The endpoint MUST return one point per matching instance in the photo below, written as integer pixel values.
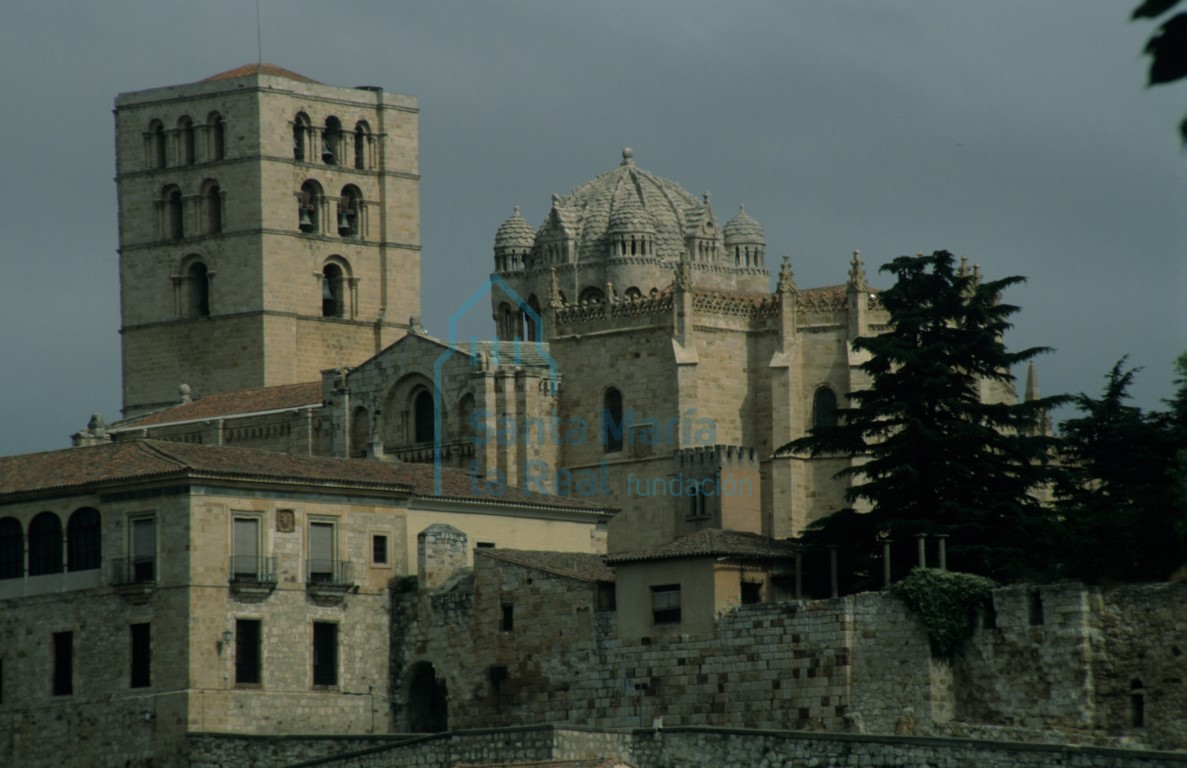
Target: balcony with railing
(134, 577)
(329, 580)
(252, 577)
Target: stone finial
(963, 270)
(628, 156)
(976, 275)
(786, 282)
(555, 199)
(414, 325)
(183, 393)
(705, 197)
(857, 272)
(94, 433)
(554, 289)
(684, 275)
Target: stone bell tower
(269, 229)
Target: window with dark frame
(325, 653)
(141, 656)
(63, 675)
(751, 592)
(247, 651)
(379, 549)
(507, 619)
(665, 604)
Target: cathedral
(318, 530)
(269, 268)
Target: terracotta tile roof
(81, 469)
(260, 69)
(457, 484)
(712, 542)
(574, 565)
(237, 403)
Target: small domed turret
(745, 238)
(513, 242)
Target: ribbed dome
(630, 218)
(743, 229)
(515, 232)
(622, 194)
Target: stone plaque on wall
(284, 521)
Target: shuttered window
(245, 547)
(321, 551)
(144, 548)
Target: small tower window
(214, 209)
(185, 127)
(331, 140)
(198, 290)
(331, 291)
(308, 212)
(300, 137)
(157, 143)
(362, 134)
(176, 211)
(216, 136)
(349, 210)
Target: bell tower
(269, 229)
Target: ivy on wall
(946, 602)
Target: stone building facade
(150, 589)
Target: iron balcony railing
(253, 569)
(330, 573)
(134, 570)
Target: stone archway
(428, 707)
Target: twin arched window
(189, 137)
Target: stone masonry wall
(786, 665)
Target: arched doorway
(428, 708)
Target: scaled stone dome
(515, 232)
(627, 196)
(630, 217)
(743, 229)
